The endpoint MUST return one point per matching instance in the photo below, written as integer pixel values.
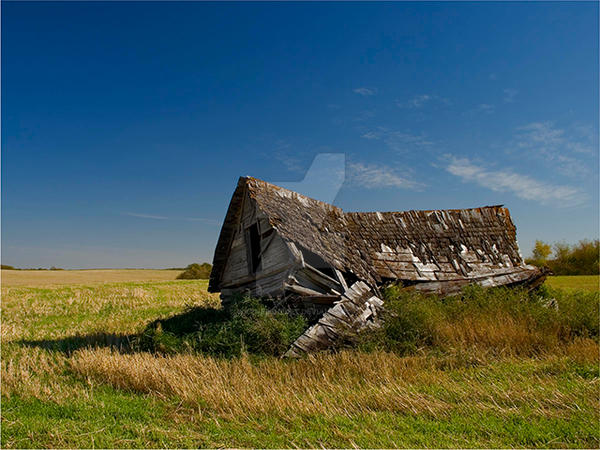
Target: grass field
(585, 282)
(93, 276)
(66, 384)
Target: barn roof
(415, 246)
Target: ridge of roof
(277, 188)
(353, 240)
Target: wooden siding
(411, 246)
(276, 259)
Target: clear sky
(126, 125)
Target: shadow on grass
(177, 326)
(121, 342)
(246, 327)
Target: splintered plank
(355, 310)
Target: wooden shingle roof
(411, 245)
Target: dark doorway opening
(253, 242)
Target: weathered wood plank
(337, 322)
(301, 290)
(341, 279)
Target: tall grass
(491, 368)
(502, 321)
(344, 383)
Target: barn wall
(276, 258)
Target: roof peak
(250, 179)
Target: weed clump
(479, 321)
(245, 326)
(497, 320)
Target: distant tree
(580, 259)
(7, 267)
(562, 251)
(196, 272)
(586, 257)
(541, 251)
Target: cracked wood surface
(314, 253)
(414, 246)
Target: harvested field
(91, 276)
(70, 378)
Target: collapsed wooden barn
(294, 250)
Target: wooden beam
(341, 279)
(321, 279)
(302, 290)
(296, 254)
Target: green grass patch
(575, 282)
(491, 368)
(246, 326)
(108, 418)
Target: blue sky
(126, 125)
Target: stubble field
(69, 379)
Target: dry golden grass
(92, 276)
(38, 321)
(60, 347)
(33, 372)
(346, 383)
(505, 335)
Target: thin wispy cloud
(416, 102)
(419, 101)
(200, 219)
(365, 91)
(546, 135)
(480, 109)
(510, 95)
(567, 151)
(283, 152)
(372, 176)
(523, 186)
(399, 141)
(145, 216)
(364, 116)
(156, 217)
(486, 108)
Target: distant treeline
(564, 259)
(7, 267)
(196, 272)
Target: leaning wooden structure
(285, 247)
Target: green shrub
(494, 321)
(578, 310)
(501, 320)
(580, 259)
(408, 323)
(246, 326)
(196, 272)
